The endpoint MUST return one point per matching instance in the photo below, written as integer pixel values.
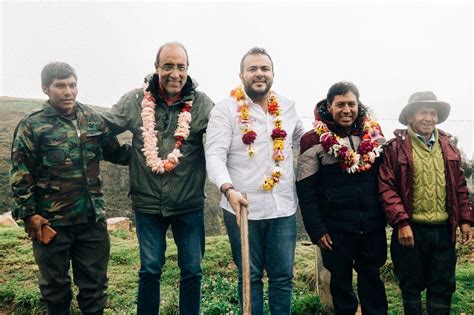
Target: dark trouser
(87, 246)
(272, 245)
(429, 265)
(188, 234)
(366, 253)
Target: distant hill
(115, 177)
(12, 110)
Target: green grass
(463, 299)
(19, 291)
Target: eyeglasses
(169, 68)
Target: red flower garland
(351, 161)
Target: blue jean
(188, 234)
(272, 245)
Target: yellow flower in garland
(248, 138)
(276, 174)
(320, 127)
(374, 124)
(250, 151)
(238, 94)
(244, 113)
(278, 156)
(278, 124)
(269, 183)
(278, 144)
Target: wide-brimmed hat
(424, 98)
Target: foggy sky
(388, 50)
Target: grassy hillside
(19, 291)
(115, 177)
(11, 111)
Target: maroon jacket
(396, 181)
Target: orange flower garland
(150, 139)
(249, 135)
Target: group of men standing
(349, 181)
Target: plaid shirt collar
(430, 142)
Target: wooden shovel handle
(244, 244)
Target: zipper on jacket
(361, 215)
(349, 136)
(85, 185)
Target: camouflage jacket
(55, 166)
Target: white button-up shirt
(227, 160)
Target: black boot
(412, 307)
(434, 308)
(99, 312)
(59, 309)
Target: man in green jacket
(168, 118)
(55, 181)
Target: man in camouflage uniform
(55, 180)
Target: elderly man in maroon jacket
(424, 193)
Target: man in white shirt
(249, 144)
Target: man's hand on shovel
(235, 200)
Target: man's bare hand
(33, 226)
(325, 242)
(235, 200)
(466, 233)
(405, 236)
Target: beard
(254, 94)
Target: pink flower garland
(351, 161)
(150, 149)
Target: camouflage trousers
(84, 246)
